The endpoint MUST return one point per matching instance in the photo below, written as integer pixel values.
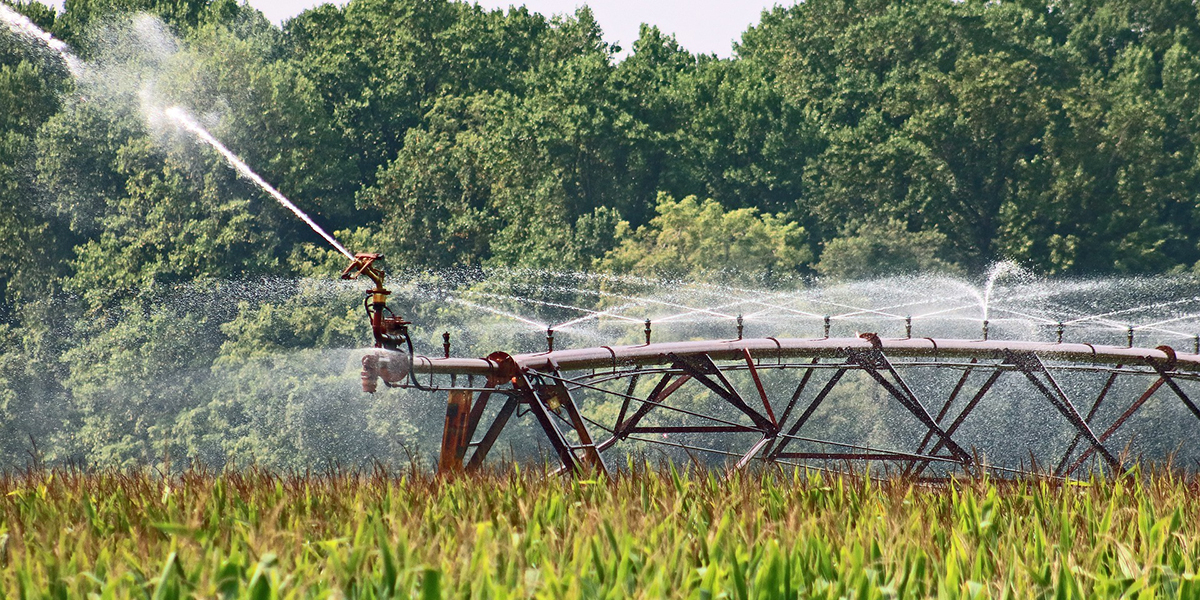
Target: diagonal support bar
(872, 362)
(489, 438)
(808, 412)
(1062, 464)
(1031, 366)
(701, 368)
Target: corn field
(652, 532)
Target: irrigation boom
(731, 407)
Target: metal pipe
(656, 354)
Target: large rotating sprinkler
(389, 330)
(738, 402)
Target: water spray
(180, 116)
(22, 26)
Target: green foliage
(883, 249)
(647, 534)
(690, 238)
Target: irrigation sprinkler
(760, 401)
(392, 361)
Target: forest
(843, 140)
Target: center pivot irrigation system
(589, 400)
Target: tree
(879, 249)
(698, 239)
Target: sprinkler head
(549, 340)
(826, 326)
(647, 332)
(739, 326)
(985, 330)
(363, 264)
(908, 327)
(446, 344)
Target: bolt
(739, 326)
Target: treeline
(846, 138)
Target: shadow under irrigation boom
(560, 387)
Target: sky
(702, 26)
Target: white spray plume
(21, 25)
(185, 120)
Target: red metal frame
(544, 385)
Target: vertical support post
(454, 433)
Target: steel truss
(551, 386)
